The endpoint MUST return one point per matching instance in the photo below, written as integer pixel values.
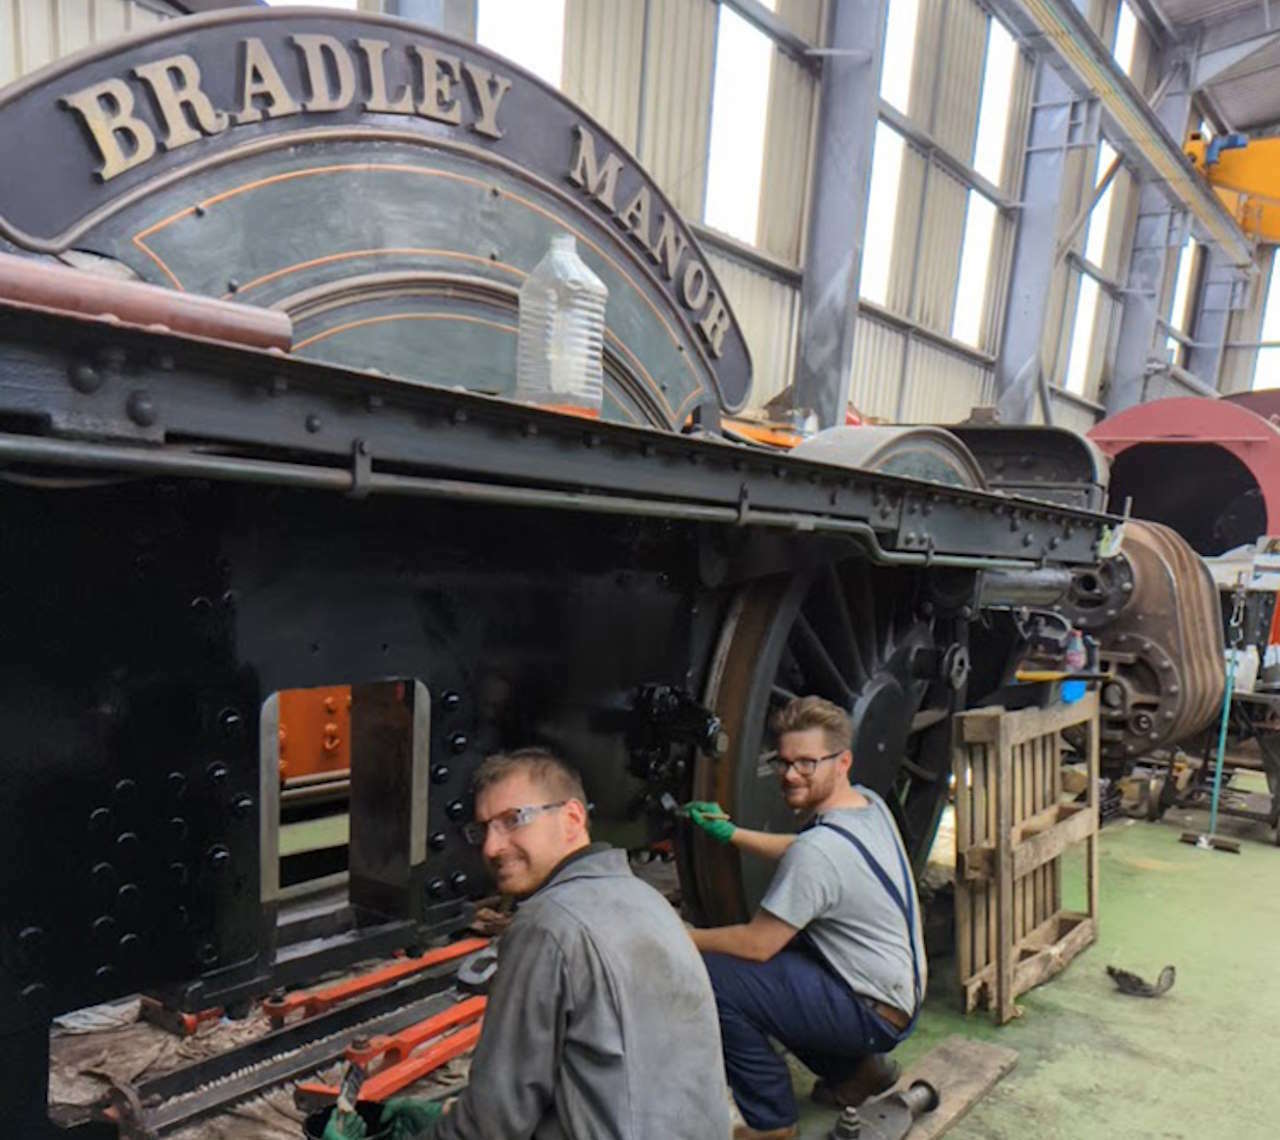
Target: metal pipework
(36, 284)
(1023, 587)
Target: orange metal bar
(394, 1048)
(407, 1066)
(396, 1077)
(312, 1002)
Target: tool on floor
(1130, 983)
(888, 1117)
(311, 1002)
(174, 1020)
(1235, 634)
(400, 1058)
(349, 1087)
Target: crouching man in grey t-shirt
(832, 964)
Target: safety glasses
(505, 822)
(805, 765)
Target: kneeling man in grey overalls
(832, 964)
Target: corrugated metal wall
(788, 153)
(37, 32)
(878, 352)
(768, 311)
(603, 57)
(679, 64)
(941, 387)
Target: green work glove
(712, 819)
(409, 1117)
(344, 1126)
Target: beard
(821, 785)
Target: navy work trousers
(797, 1000)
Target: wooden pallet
(1011, 833)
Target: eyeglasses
(506, 822)
(805, 765)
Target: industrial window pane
(1095, 246)
(1081, 336)
(975, 263)
(528, 32)
(899, 53)
(1179, 314)
(997, 89)
(739, 105)
(1126, 37)
(882, 214)
(1266, 373)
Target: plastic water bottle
(560, 347)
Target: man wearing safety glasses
(601, 1020)
(832, 964)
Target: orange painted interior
(315, 731)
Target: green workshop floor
(1198, 1062)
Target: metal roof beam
(1059, 121)
(838, 207)
(1059, 31)
(1222, 45)
(1244, 32)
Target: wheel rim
(871, 640)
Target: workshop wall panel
(906, 230)
(676, 110)
(877, 367)
(768, 310)
(603, 57)
(788, 151)
(930, 17)
(805, 18)
(34, 33)
(942, 386)
(1003, 237)
(1068, 413)
(937, 263)
(958, 82)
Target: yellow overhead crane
(1245, 174)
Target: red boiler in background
(1210, 469)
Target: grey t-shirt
(825, 887)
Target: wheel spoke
(819, 668)
(864, 611)
(846, 638)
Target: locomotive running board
(283, 420)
